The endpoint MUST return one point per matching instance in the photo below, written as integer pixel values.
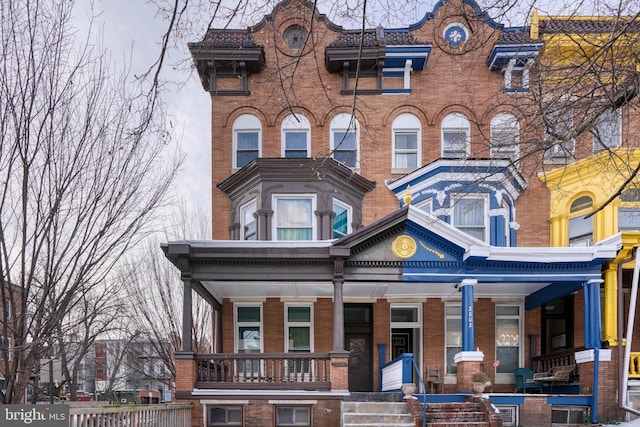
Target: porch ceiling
(365, 290)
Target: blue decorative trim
(570, 400)
(507, 400)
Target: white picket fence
(161, 415)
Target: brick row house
(391, 194)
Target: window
(294, 217)
(581, 228)
(453, 335)
(455, 136)
(345, 139)
(508, 342)
(426, 205)
(558, 121)
(629, 211)
(248, 339)
(295, 136)
(247, 131)
(607, 131)
(341, 220)
(224, 416)
(248, 221)
(5, 346)
(469, 215)
(293, 416)
(406, 142)
(505, 137)
(299, 335)
(7, 309)
(406, 330)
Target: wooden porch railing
(309, 371)
(169, 414)
(545, 363)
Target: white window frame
(295, 409)
(455, 123)
(608, 123)
(406, 123)
(416, 326)
(559, 109)
(576, 219)
(226, 408)
(456, 198)
(456, 314)
(507, 223)
(296, 123)
(256, 369)
(304, 370)
(313, 221)
(252, 205)
(507, 377)
(246, 123)
(349, 210)
(426, 205)
(505, 124)
(342, 123)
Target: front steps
(463, 414)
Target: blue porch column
(468, 321)
(592, 319)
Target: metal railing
(263, 370)
(162, 415)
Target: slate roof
(515, 37)
(374, 38)
(227, 39)
(585, 26)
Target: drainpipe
(623, 371)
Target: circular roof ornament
(455, 34)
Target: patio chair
(524, 381)
(434, 379)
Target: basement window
(293, 416)
(224, 416)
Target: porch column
(592, 327)
(217, 332)
(187, 317)
(338, 315)
(468, 321)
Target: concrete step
(376, 414)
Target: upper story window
(470, 215)
(558, 122)
(581, 228)
(295, 136)
(455, 136)
(426, 205)
(406, 141)
(341, 220)
(247, 139)
(607, 131)
(294, 217)
(345, 140)
(505, 136)
(248, 221)
(629, 210)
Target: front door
(358, 332)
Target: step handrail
(424, 393)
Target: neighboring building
(416, 225)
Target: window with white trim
(456, 132)
(629, 210)
(470, 215)
(453, 335)
(299, 416)
(294, 217)
(580, 227)
(224, 416)
(342, 219)
(425, 205)
(406, 330)
(558, 122)
(406, 141)
(607, 131)
(299, 335)
(248, 221)
(508, 343)
(505, 136)
(295, 136)
(345, 139)
(248, 336)
(247, 139)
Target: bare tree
(83, 167)
(155, 292)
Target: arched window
(455, 136)
(629, 210)
(505, 136)
(345, 139)
(407, 137)
(247, 139)
(581, 228)
(295, 136)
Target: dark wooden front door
(360, 375)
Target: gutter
(623, 371)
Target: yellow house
(595, 199)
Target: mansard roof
(587, 25)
